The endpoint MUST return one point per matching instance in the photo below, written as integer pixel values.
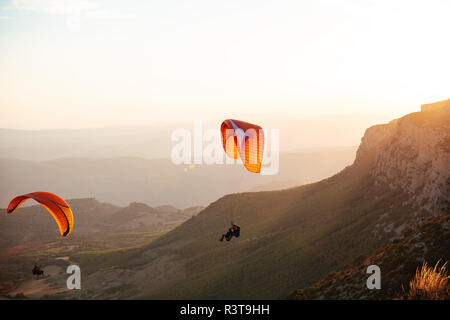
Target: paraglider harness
(234, 231)
(37, 271)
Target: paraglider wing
(57, 207)
(243, 139)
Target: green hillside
(291, 238)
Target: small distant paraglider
(244, 140)
(57, 207)
(37, 271)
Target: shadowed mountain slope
(398, 262)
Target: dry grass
(429, 283)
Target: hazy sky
(78, 64)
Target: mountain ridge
(155, 181)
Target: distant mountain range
(154, 142)
(158, 181)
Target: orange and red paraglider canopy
(243, 139)
(57, 207)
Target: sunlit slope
(290, 239)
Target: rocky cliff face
(408, 163)
(412, 155)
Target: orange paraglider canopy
(243, 139)
(57, 207)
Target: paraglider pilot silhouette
(37, 270)
(234, 231)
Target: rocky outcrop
(435, 106)
(412, 155)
